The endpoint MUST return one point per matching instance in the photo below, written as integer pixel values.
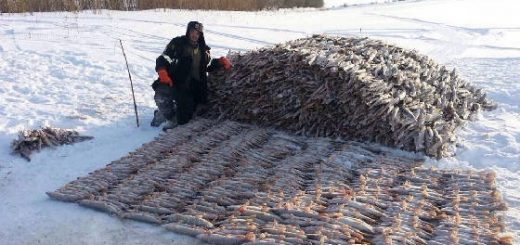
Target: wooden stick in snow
(131, 83)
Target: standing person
(182, 83)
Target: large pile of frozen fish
(356, 88)
(232, 183)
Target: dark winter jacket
(177, 58)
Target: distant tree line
(19, 6)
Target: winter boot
(170, 125)
(158, 119)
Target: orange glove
(225, 63)
(165, 78)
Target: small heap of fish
(231, 183)
(34, 140)
(355, 88)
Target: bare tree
(16, 6)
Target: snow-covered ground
(67, 70)
(349, 3)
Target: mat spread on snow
(232, 183)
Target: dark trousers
(200, 92)
(185, 105)
(164, 99)
(180, 101)
(188, 99)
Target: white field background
(67, 70)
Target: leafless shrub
(19, 6)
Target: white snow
(349, 3)
(67, 70)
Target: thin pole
(131, 83)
